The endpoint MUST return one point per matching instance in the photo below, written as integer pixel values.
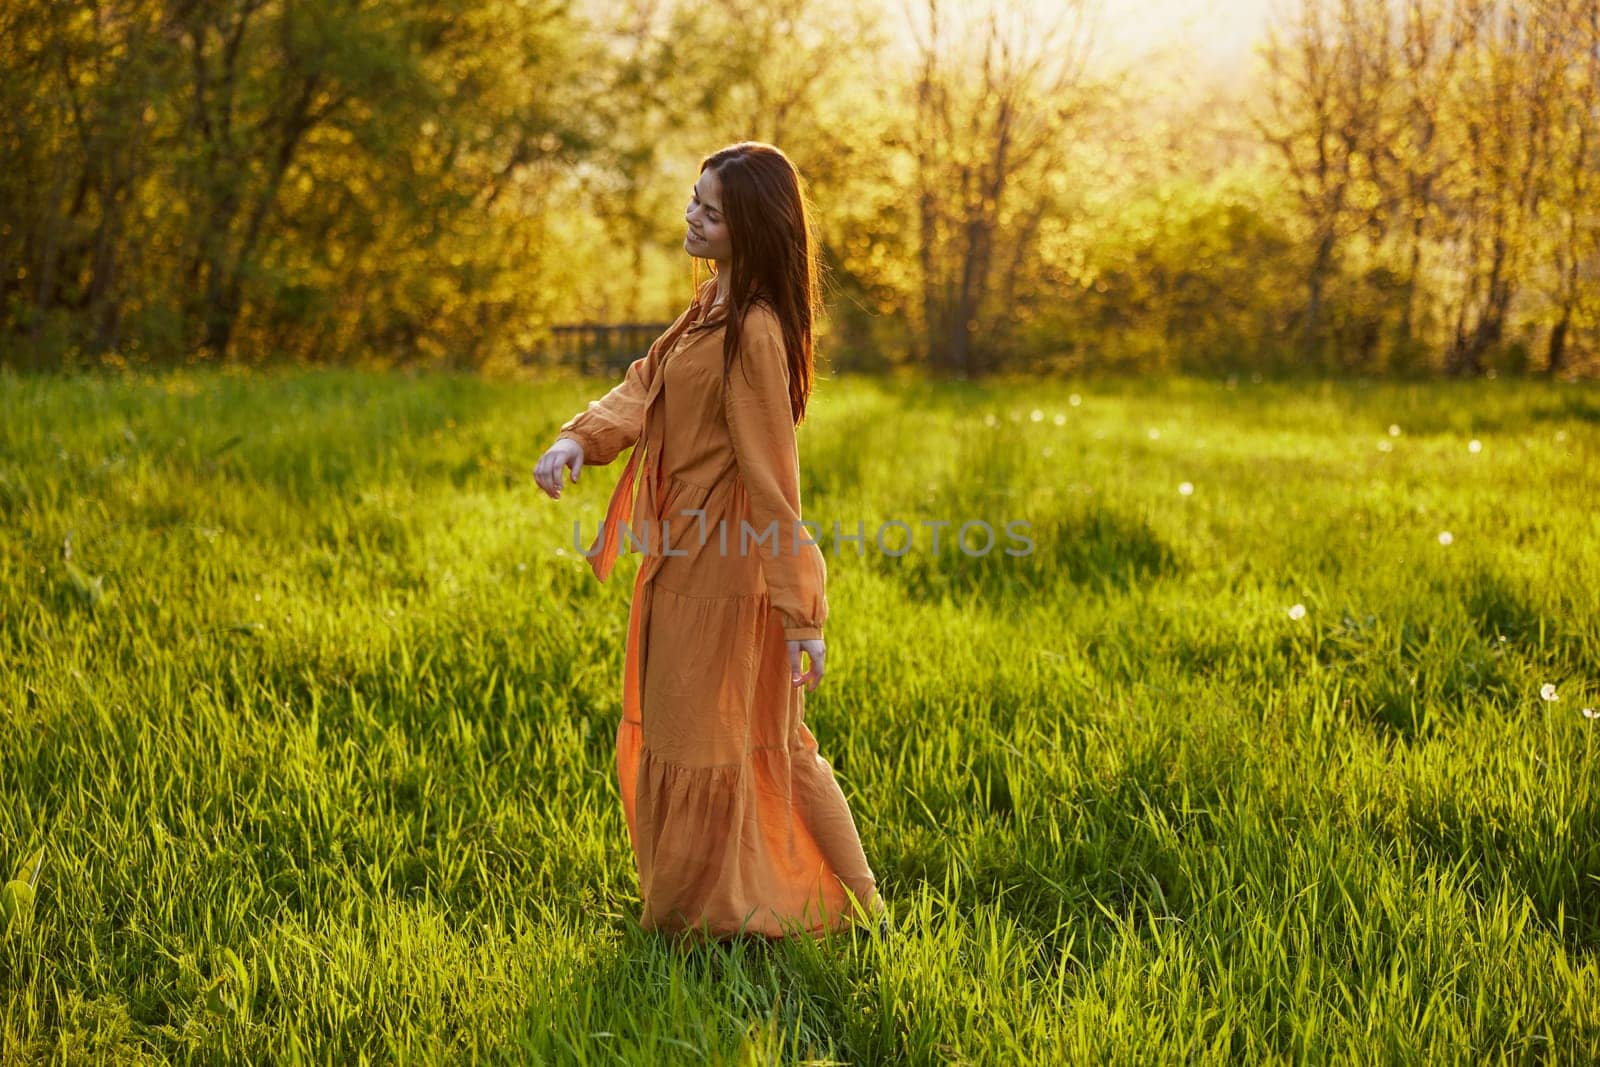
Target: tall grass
(309, 701)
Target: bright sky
(1213, 38)
(1218, 33)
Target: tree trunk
(1315, 285)
(1557, 356)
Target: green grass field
(308, 707)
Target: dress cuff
(802, 633)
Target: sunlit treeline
(1442, 160)
(1402, 185)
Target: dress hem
(774, 879)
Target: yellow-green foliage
(439, 184)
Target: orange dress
(736, 821)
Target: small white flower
(1591, 713)
(1297, 612)
(1155, 434)
(1074, 399)
(1561, 435)
(1445, 537)
(561, 552)
(1474, 446)
(1547, 691)
(1385, 446)
(990, 420)
(1046, 452)
(1185, 488)
(1036, 415)
(521, 567)
(1060, 419)
(1394, 431)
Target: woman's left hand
(818, 653)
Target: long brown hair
(774, 256)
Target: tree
(330, 178)
(1330, 82)
(1573, 217)
(1507, 115)
(1414, 162)
(992, 104)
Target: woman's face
(708, 235)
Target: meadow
(1273, 749)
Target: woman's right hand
(563, 454)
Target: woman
(736, 821)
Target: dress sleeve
(614, 422)
(760, 423)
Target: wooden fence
(598, 349)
